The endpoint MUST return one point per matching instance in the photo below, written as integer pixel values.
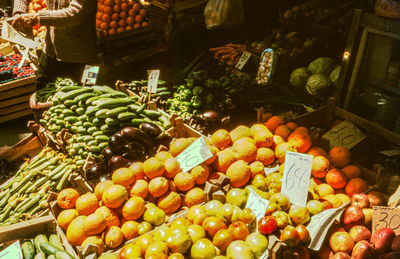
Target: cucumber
(133, 107)
(108, 129)
(93, 143)
(48, 248)
(141, 109)
(68, 112)
(63, 255)
(80, 138)
(60, 123)
(102, 114)
(88, 138)
(69, 88)
(103, 145)
(74, 107)
(112, 122)
(114, 112)
(80, 111)
(115, 94)
(28, 250)
(102, 138)
(92, 130)
(92, 99)
(81, 130)
(126, 116)
(54, 239)
(103, 89)
(94, 149)
(69, 103)
(87, 124)
(91, 110)
(39, 239)
(40, 255)
(74, 93)
(84, 97)
(109, 104)
(97, 122)
(162, 89)
(83, 117)
(78, 124)
(97, 133)
(71, 119)
(151, 113)
(74, 129)
(137, 122)
(164, 94)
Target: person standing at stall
(71, 41)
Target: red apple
(396, 244)
(377, 198)
(360, 199)
(267, 225)
(359, 233)
(298, 252)
(303, 233)
(353, 216)
(364, 250)
(238, 230)
(340, 255)
(382, 239)
(341, 242)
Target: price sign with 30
(195, 154)
(296, 177)
(386, 217)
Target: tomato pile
(34, 7)
(9, 68)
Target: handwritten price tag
(320, 224)
(257, 204)
(243, 60)
(344, 134)
(296, 177)
(89, 76)
(153, 81)
(12, 251)
(386, 217)
(195, 154)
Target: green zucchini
(103, 145)
(112, 122)
(74, 93)
(92, 99)
(152, 113)
(97, 133)
(102, 114)
(80, 111)
(68, 112)
(84, 97)
(54, 239)
(87, 124)
(116, 111)
(28, 250)
(109, 104)
(141, 109)
(102, 138)
(126, 116)
(137, 122)
(49, 248)
(39, 239)
(71, 119)
(88, 138)
(92, 130)
(69, 103)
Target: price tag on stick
(89, 76)
(257, 204)
(153, 80)
(12, 251)
(344, 134)
(195, 154)
(296, 177)
(386, 217)
(243, 60)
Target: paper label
(12, 251)
(344, 134)
(10, 34)
(195, 154)
(89, 76)
(270, 170)
(386, 217)
(319, 225)
(257, 204)
(296, 177)
(243, 60)
(153, 80)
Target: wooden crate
(14, 98)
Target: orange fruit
(172, 186)
(320, 166)
(145, 24)
(130, 21)
(300, 141)
(200, 174)
(116, 8)
(143, 13)
(221, 138)
(239, 173)
(136, 7)
(340, 156)
(75, 234)
(262, 135)
(239, 132)
(115, 16)
(133, 209)
(121, 23)
(120, 29)
(324, 190)
(292, 125)
(301, 129)
(224, 159)
(336, 178)
(107, 10)
(144, 242)
(123, 176)
(194, 196)
(172, 167)
(163, 156)
(214, 150)
(140, 188)
(112, 218)
(158, 186)
(66, 217)
(104, 26)
(153, 167)
(108, 2)
(178, 145)
(256, 168)
(280, 151)
(66, 199)
(244, 140)
(130, 251)
(123, 15)
(169, 202)
(94, 224)
(100, 187)
(113, 237)
(99, 15)
(87, 204)
(317, 151)
(96, 241)
(245, 150)
(132, 13)
(106, 18)
(351, 171)
(355, 185)
(215, 175)
(265, 156)
(277, 140)
(136, 26)
(137, 169)
(110, 32)
(273, 122)
(125, 6)
(283, 131)
(114, 196)
(184, 181)
(130, 229)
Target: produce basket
(38, 108)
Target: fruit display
(9, 68)
(94, 113)
(35, 6)
(116, 16)
(26, 193)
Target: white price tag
(12, 251)
(243, 60)
(296, 177)
(344, 134)
(386, 217)
(153, 80)
(89, 76)
(257, 204)
(319, 225)
(195, 154)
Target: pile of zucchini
(42, 247)
(92, 114)
(27, 191)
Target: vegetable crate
(14, 98)
(31, 228)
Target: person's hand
(26, 20)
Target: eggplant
(96, 171)
(137, 135)
(107, 153)
(134, 151)
(117, 142)
(117, 162)
(150, 129)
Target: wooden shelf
(382, 85)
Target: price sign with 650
(195, 154)
(386, 217)
(296, 177)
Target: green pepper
(196, 101)
(197, 90)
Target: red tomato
(267, 225)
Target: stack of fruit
(116, 16)
(34, 7)
(41, 246)
(9, 68)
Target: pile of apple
(116, 16)
(33, 7)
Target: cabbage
(317, 85)
(322, 66)
(298, 78)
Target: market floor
(11, 132)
